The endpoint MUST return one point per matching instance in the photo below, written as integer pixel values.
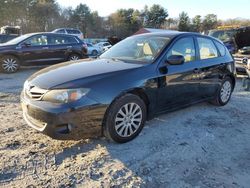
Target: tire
(74, 57)
(9, 64)
(94, 53)
(125, 118)
(224, 93)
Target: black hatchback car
(40, 49)
(136, 79)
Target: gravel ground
(199, 146)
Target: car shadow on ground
(201, 145)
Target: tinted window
(61, 40)
(70, 40)
(73, 31)
(221, 48)
(56, 40)
(37, 40)
(184, 47)
(207, 48)
(60, 31)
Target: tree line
(46, 15)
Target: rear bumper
(65, 123)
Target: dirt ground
(200, 146)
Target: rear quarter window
(73, 31)
(221, 48)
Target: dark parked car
(138, 78)
(40, 49)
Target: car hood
(64, 73)
(242, 37)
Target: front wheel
(125, 118)
(10, 64)
(224, 93)
(74, 57)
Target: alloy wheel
(128, 119)
(73, 58)
(225, 91)
(10, 65)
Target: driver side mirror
(25, 44)
(175, 60)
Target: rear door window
(207, 48)
(185, 47)
(57, 40)
(70, 40)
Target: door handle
(45, 48)
(196, 70)
(69, 46)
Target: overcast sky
(223, 8)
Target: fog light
(69, 127)
(64, 128)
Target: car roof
(166, 33)
(49, 33)
(174, 34)
(67, 28)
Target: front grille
(34, 93)
(241, 59)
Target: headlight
(65, 95)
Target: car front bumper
(63, 122)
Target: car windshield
(18, 39)
(139, 48)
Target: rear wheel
(94, 53)
(10, 64)
(125, 118)
(74, 57)
(224, 93)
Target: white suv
(70, 31)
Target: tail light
(85, 48)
